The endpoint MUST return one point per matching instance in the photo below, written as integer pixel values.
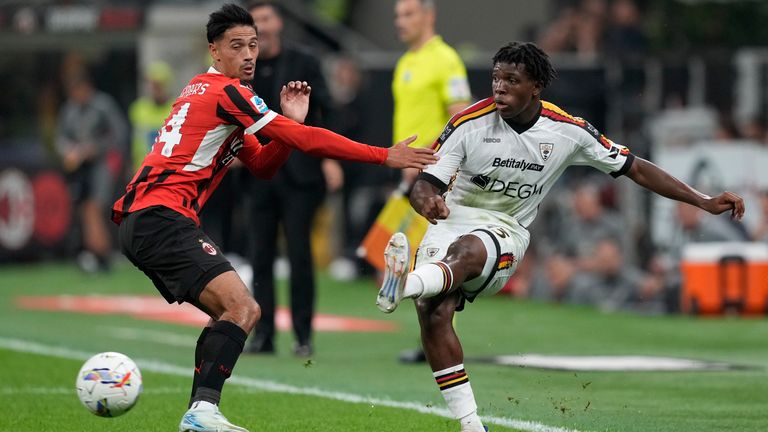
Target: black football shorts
(172, 251)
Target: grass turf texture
(364, 364)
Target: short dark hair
(536, 61)
(230, 15)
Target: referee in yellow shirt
(429, 86)
(430, 81)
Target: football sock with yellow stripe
(428, 280)
(454, 386)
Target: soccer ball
(109, 384)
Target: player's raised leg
(234, 314)
(465, 260)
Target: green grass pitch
(37, 389)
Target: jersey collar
(212, 70)
(520, 128)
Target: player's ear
(537, 88)
(213, 51)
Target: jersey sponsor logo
(208, 248)
(259, 104)
(491, 140)
(518, 164)
(431, 252)
(546, 150)
(511, 189)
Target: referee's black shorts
(173, 251)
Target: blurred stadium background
(611, 270)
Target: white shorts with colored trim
(505, 245)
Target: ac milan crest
(209, 249)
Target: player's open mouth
(500, 104)
(248, 69)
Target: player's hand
(402, 156)
(294, 100)
(724, 202)
(433, 208)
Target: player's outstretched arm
(402, 156)
(427, 200)
(653, 178)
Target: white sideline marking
(46, 391)
(272, 386)
(146, 335)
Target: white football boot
(206, 417)
(397, 260)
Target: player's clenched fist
(433, 208)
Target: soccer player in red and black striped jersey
(498, 159)
(211, 123)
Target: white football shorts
(505, 245)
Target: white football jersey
(489, 165)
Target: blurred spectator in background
(614, 284)
(149, 112)
(360, 191)
(625, 36)
(577, 29)
(90, 140)
(594, 27)
(570, 244)
(760, 233)
(589, 222)
(294, 195)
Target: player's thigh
(505, 247)
(434, 246)
(173, 251)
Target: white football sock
(457, 392)
(428, 280)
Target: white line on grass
(45, 391)
(272, 386)
(146, 335)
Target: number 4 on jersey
(170, 134)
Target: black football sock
(198, 359)
(219, 353)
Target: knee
(468, 252)
(250, 314)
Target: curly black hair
(230, 15)
(536, 61)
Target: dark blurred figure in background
(292, 198)
(760, 233)
(148, 112)
(90, 140)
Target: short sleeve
(240, 106)
(451, 150)
(455, 86)
(597, 151)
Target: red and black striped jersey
(203, 134)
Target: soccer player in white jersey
(498, 159)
